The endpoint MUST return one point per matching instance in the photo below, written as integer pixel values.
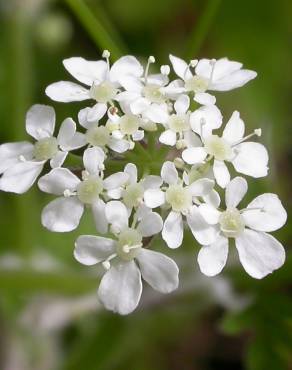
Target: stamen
(252, 209)
(68, 193)
(126, 248)
(193, 63)
(85, 174)
(151, 59)
(106, 55)
(257, 132)
(106, 263)
(165, 70)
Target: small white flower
(210, 74)
(102, 81)
(181, 199)
(145, 95)
(126, 260)
(103, 136)
(259, 253)
(64, 213)
(249, 158)
(132, 192)
(22, 162)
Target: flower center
(103, 92)
(129, 244)
(152, 92)
(179, 198)
(88, 190)
(98, 135)
(45, 149)
(197, 84)
(218, 148)
(129, 124)
(178, 123)
(231, 223)
(132, 195)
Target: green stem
(100, 34)
(201, 29)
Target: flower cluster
(154, 160)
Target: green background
(49, 316)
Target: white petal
(131, 83)
(223, 68)
(58, 159)
(62, 214)
(86, 71)
(127, 96)
(259, 253)
(121, 287)
(203, 232)
(127, 65)
(98, 210)
(235, 191)
(116, 180)
(234, 129)
(93, 158)
(194, 155)
(210, 214)
(205, 119)
(115, 193)
(157, 113)
(168, 137)
(57, 181)
(233, 81)
(180, 67)
(160, 271)
(212, 258)
(271, 215)
(182, 104)
(201, 187)
(205, 99)
(89, 116)
(131, 170)
(139, 105)
(252, 159)
(152, 182)
(191, 139)
(221, 173)
(119, 145)
(138, 135)
(76, 142)
(10, 153)
(154, 198)
(66, 91)
(40, 121)
(116, 214)
(212, 198)
(20, 177)
(173, 230)
(169, 173)
(66, 132)
(90, 250)
(151, 223)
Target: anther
(85, 174)
(106, 54)
(193, 63)
(106, 265)
(22, 158)
(165, 70)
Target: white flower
(126, 260)
(249, 158)
(210, 74)
(180, 199)
(145, 95)
(22, 162)
(102, 81)
(103, 136)
(132, 192)
(126, 127)
(64, 213)
(259, 253)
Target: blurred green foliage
(192, 329)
